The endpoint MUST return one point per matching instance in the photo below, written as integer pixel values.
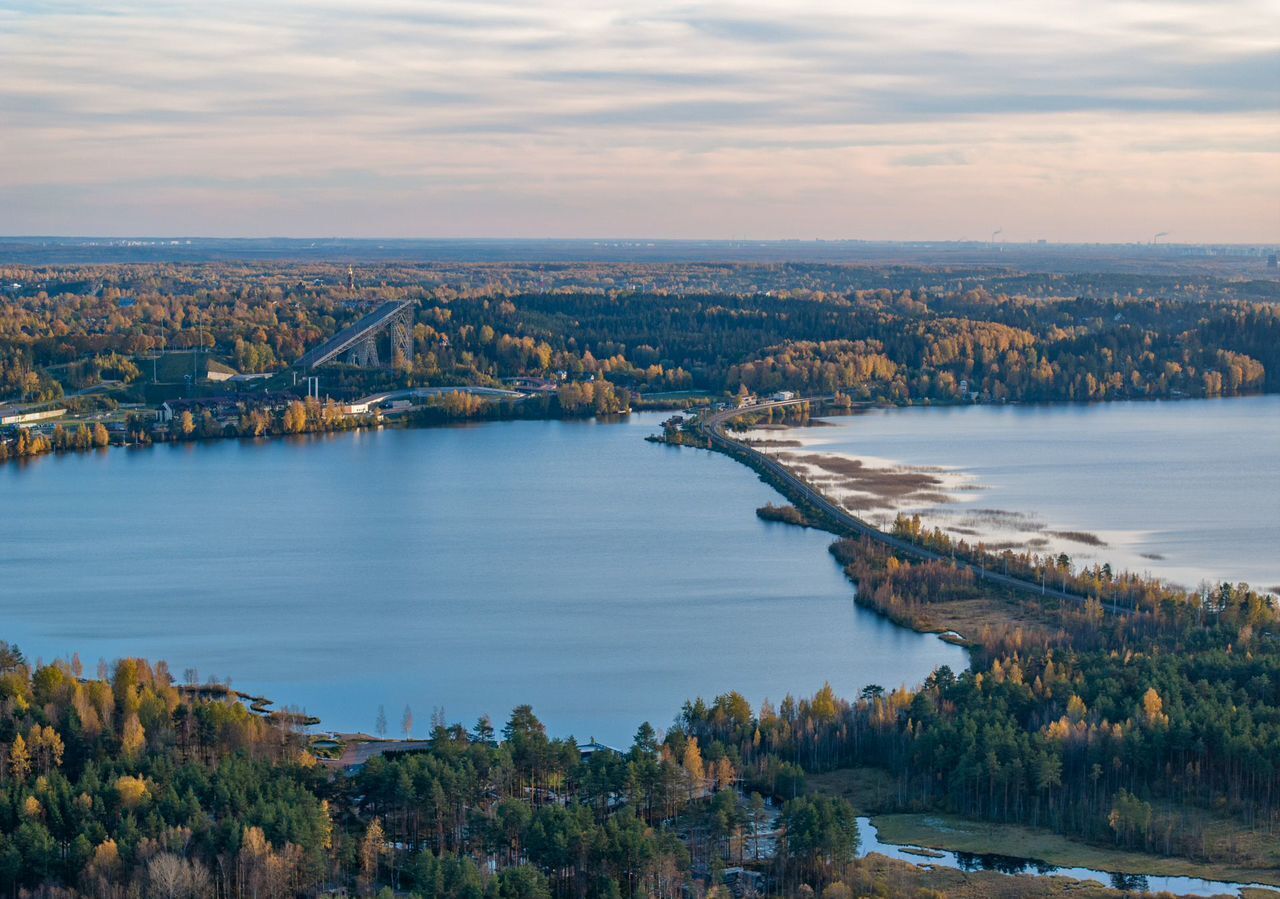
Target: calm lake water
(1187, 490)
(570, 565)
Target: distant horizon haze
(637, 239)
(1248, 260)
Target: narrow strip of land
(711, 426)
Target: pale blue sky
(1082, 120)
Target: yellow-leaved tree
(19, 759)
(133, 739)
(693, 767)
(132, 791)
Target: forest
(113, 342)
(67, 328)
(1115, 725)
(127, 783)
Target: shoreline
(392, 745)
(950, 497)
(561, 439)
(932, 836)
(709, 432)
(878, 489)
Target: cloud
(562, 117)
(944, 157)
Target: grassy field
(886, 877)
(995, 609)
(172, 368)
(871, 792)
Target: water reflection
(1148, 486)
(869, 841)
(570, 565)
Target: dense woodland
(66, 333)
(127, 784)
(65, 328)
(1104, 724)
(615, 337)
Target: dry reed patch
(884, 484)
(1079, 537)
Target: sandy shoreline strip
(878, 490)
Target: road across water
(796, 488)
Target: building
(222, 407)
(540, 385)
(225, 408)
(215, 371)
(397, 405)
(587, 750)
(26, 418)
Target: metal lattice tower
(402, 336)
(364, 353)
(357, 344)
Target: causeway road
(795, 488)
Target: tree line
(127, 783)
(912, 344)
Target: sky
(1083, 120)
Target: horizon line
(914, 241)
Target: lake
(570, 565)
(1187, 490)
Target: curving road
(496, 393)
(712, 427)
